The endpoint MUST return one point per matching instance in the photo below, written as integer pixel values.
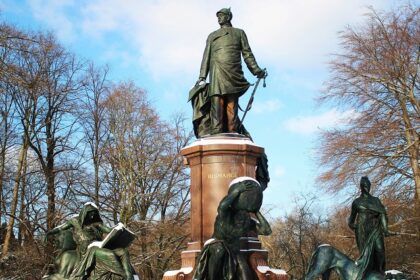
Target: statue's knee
(120, 252)
(101, 252)
(67, 262)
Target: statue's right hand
(262, 73)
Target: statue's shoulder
(73, 220)
(376, 200)
(238, 31)
(357, 201)
(213, 34)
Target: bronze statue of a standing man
(222, 62)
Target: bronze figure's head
(224, 16)
(365, 184)
(89, 214)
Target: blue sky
(158, 44)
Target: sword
(251, 99)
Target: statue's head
(224, 16)
(89, 214)
(250, 197)
(365, 184)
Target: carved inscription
(222, 175)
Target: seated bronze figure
(80, 258)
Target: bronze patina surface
(79, 260)
(369, 221)
(215, 105)
(221, 257)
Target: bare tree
(14, 48)
(7, 130)
(9, 41)
(51, 105)
(296, 236)
(377, 76)
(13, 211)
(52, 123)
(146, 178)
(92, 118)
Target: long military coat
(222, 61)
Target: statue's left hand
(200, 81)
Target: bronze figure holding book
(85, 255)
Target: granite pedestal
(214, 162)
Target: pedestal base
(188, 261)
(214, 163)
(257, 260)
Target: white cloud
(169, 36)
(53, 13)
(279, 171)
(267, 106)
(123, 57)
(311, 124)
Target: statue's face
(222, 18)
(92, 217)
(365, 185)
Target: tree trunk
(413, 142)
(23, 231)
(2, 173)
(21, 163)
(96, 165)
(50, 178)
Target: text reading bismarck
(221, 175)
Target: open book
(119, 237)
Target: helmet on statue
(225, 11)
